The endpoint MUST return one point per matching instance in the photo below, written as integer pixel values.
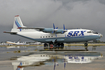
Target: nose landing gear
(86, 46)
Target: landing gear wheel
(86, 44)
(57, 45)
(86, 48)
(45, 45)
(62, 45)
(51, 45)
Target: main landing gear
(86, 46)
(54, 45)
(59, 45)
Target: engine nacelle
(59, 31)
(50, 30)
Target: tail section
(17, 24)
(17, 66)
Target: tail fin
(17, 65)
(17, 24)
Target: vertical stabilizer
(17, 24)
(17, 66)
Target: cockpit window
(89, 32)
(95, 32)
(92, 32)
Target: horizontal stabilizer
(10, 32)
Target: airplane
(55, 58)
(53, 36)
(15, 43)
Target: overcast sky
(89, 14)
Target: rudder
(17, 24)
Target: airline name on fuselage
(75, 33)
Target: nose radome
(101, 35)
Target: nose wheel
(86, 48)
(86, 44)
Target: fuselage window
(51, 36)
(43, 36)
(46, 36)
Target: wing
(40, 28)
(48, 30)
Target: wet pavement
(6, 64)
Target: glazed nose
(101, 35)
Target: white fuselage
(73, 35)
(48, 35)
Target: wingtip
(4, 32)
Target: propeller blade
(65, 35)
(64, 30)
(52, 31)
(64, 63)
(54, 66)
(63, 26)
(53, 26)
(56, 27)
(56, 35)
(54, 63)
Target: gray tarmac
(6, 64)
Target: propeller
(64, 63)
(54, 29)
(55, 63)
(64, 30)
